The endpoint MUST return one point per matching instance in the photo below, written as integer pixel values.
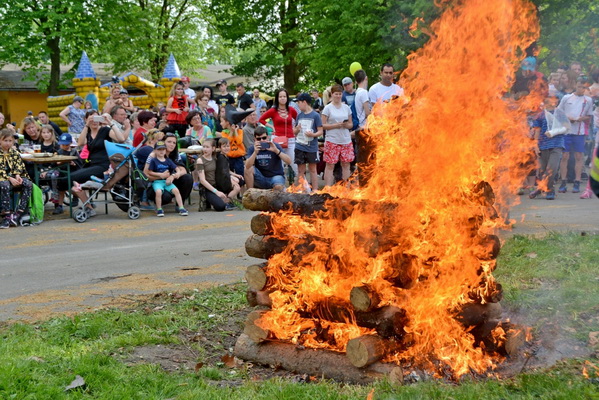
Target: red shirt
(283, 126)
(138, 137)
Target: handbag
(283, 141)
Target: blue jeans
(266, 182)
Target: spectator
(147, 121)
(308, 128)
(152, 137)
(362, 104)
(31, 131)
(244, 100)
(258, 104)
(231, 131)
(282, 120)
(114, 99)
(189, 92)
(206, 113)
(8, 126)
(567, 83)
(224, 97)
(263, 165)
(348, 91)
(551, 148)
(177, 108)
(126, 102)
(576, 67)
(579, 109)
(337, 121)
(12, 175)
(237, 181)
(385, 89)
(43, 118)
(248, 129)
(74, 116)
(207, 170)
(48, 139)
(118, 116)
(164, 171)
(317, 101)
(198, 131)
(212, 105)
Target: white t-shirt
(190, 93)
(361, 98)
(335, 115)
(380, 92)
(575, 107)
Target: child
(48, 140)
(177, 108)
(236, 180)
(551, 148)
(12, 175)
(235, 136)
(163, 168)
(308, 127)
(206, 167)
(64, 149)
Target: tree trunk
(53, 45)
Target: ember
(399, 270)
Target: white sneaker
(91, 212)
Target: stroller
(124, 194)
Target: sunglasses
(170, 134)
(262, 138)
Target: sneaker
(587, 194)
(160, 212)
(13, 219)
(147, 207)
(91, 212)
(23, 219)
(5, 224)
(576, 187)
(58, 210)
(562, 187)
(535, 193)
(182, 211)
(230, 207)
(550, 195)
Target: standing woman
(113, 100)
(93, 135)
(283, 118)
(74, 116)
(337, 121)
(177, 108)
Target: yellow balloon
(354, 67)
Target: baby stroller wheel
(134, 212)
(80, 215)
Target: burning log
(363, 298)
(256, 277)
(261, 224)
(264, 246)
(253, 331)
(491, 246)
(299, 203)
(328, 364)
(366, 350)
(258, 298)
(473, 314)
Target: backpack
(36, 206)
(354, 116)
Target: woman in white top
(337, 121)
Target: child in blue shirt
(163, 169)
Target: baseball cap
(160, 145)
(346, 81)
(65, 138)
(185, 79)
(304, 97)
(78, 98)
(123, 91)
(529, 64)
(221, 82)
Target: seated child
(12, 175)
(64, 149)
(236, 180)
(217, 195)
(162, 168)
(48, 139)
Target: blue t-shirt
(161, 166)
(267, 162)
(307, 121)
(545, 142)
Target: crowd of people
(245, 143)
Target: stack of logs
(361, 363)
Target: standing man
(579, 109)
(224, 97)
(348, 91)
(189, 92)
(258, 103)
(385, 89)
(244, 100)
(42, 116)
(361, 101)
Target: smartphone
(265, 145)
(98, 118)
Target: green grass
(37, 361)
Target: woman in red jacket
(177, 108)
(283, 118)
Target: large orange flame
(453, 129)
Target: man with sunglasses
(263, 166)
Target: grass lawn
(176, 346)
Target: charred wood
(473, 314)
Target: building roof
(12, 76)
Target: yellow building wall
(14, 105)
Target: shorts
(338, 152)
(574, 143)
(267, 182)
(305, 157)
(161, 185)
